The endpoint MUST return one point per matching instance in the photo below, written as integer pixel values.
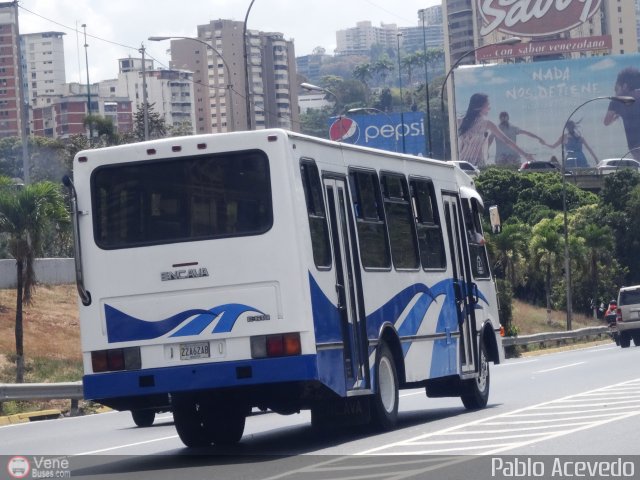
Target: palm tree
(25, 212)
(546, 251)
(383, 68)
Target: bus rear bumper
(201, 376)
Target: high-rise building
(217, 59)
(358, 40)
(44, 68)
(169, 91)
(12, 105)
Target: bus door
(348, 288)
(461, 281)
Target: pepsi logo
(344, 129)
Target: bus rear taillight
(116, 359)
(281, 345)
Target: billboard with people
(395, 132)
(509, 113)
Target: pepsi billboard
(382, 131)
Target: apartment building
(358, 40)
(171, 92)
(217, 59)
(43, 66)
(11, 105)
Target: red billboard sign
(535, 18)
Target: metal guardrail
(40, 391)
(542, 338)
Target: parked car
(628, 316)
(611, 165)
(539, 166)
(467, 168)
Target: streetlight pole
(315, 88)
(422, 13)
(373, 109)
(506, 41)
(86, 59)
(228, 86)
(567, 260)
(145, 101)
(247, 89)
(630, 151)
(400, 84)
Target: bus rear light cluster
(116, 359)
(280, 345)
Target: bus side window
(477, 248)
(402, 232)
(372, 229)
(430, 241)
(316, 212)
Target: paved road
(581, 402)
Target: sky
(117, 28)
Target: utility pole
(145, 103)
(86, 59)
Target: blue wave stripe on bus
(326, 317)
(122, 327)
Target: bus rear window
(179, 200)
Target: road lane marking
(118, 447)
(560, 368)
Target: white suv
(628, 318)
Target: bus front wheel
(476, 390)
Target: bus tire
(476, 390)
(143, 418)
(384, 413)
(225, 425)
(190, 425)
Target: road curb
(29, 417)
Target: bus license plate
(190, 351)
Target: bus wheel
(143, 418)
(476, 390)
(226, 425)
(190, 426)
(385, 399)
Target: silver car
(628, 316)
(612, 165)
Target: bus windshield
(181, 199)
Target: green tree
(546, 250)
(156, 124)
(25, 212)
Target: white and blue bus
(272, 270)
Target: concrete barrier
(49, 271)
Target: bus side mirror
(494, 217)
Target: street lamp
(400, 84)
(247, 90)
(506, 41)
(228, 86)
(422, 13)
(315, 88)
(355, 111)
(567, 262)
(632, 150)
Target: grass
(530, 319)
(52, 338)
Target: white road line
(503, 416)
(517, 362)
(560, 368)
(118, 447)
